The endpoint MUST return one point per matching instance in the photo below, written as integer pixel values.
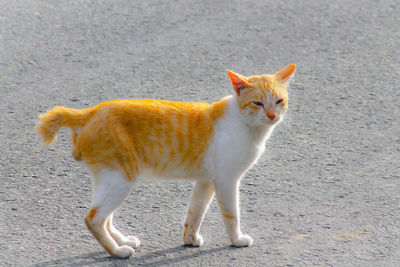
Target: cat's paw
(195, 240)
(242, 241)
(122, 252)
(131, 241)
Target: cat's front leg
(227, 194)
(202, 195)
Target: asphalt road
(326, 192)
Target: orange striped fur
(131, 135)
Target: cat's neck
(258, 133)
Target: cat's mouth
(271, 120)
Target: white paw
(123, 252)
(132, 241)
(193, 240)
(243, 241)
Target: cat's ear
(239, 82)
(285, 74)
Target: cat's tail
(50, 122)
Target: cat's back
(149, 109)
(153, 114)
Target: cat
(213, 144)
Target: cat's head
(262, 99)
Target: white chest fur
(236, 146)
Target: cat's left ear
(285, 74)
(239, 82)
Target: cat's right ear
(285, 74)
(239, 82)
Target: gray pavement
(326, 192)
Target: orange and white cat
(213, 144)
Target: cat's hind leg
(112, 188)
(202, 195)
(119, 237)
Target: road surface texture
(326, 192)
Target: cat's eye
(257, 103)
(279, 101)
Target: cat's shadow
(156, 258)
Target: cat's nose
(271, 116)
